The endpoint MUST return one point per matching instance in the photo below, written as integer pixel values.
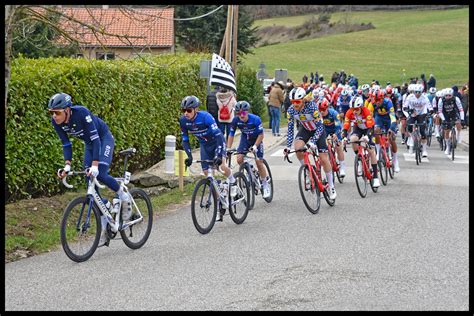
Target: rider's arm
(233, 129)
(259, 128)
(391, 112)
(90, 130)
(185, 136)
(291, 125)
(460, 109)
(440, 109)
(67, 146)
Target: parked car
(267, 84)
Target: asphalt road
(403, 248)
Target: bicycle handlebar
(73, 173)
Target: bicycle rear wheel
(80, 233)
(136, 235)
(270, 182)
(453, 142)
(383, 170)
(311, 197)
(416, 148)
(245, 169)
(204, 206)
(429, 132)
(239, 205)
(361, 180)
(391, 170)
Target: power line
(197, 17)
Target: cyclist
(311, 127)
(384, 115)
(332, 126)
(363, 122)
(403, 115)
(343, 103)
(251, 139)
(78, 121)
(365, 91)
(212, 146)
(447, 111)
(436, 119)
(417, 106)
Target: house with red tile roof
(119, 33)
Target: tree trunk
(10, 11)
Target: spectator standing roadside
(425, 84)
(311, 78)
(287, 102)
(305, 78)
(211, 104)
(225, 101)
(316, 78)
(431, 81)
(275, 100)
(465, 103)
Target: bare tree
(74, 30)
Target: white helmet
(411, 87)
(297, 93)
(439, 94)
(432, 90)
(395, 91)
(365, 87)
(357, 103)
(448, 91)
(344, 92)
(418, 88)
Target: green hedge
(139, 100)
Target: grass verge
(32, 226)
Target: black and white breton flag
(222, 74)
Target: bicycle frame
(383, 140)
(332, 154)
(363, 153)
(93, 195)
(313, 174)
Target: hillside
(427, 41)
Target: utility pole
(235, 31)
(228, 34)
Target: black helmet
(242, 106)
(59, 101)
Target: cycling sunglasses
(243, 113)
(187, 110)
(297, 102)
(57, 112)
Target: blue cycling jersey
(332, 123)
(251, 129)
(204, 127)
(85, 126)
(343, 103)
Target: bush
(250, 89)
(139, 99)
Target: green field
(433, 41)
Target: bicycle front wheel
(239, 205)
(310, 195)
(416, 148)
(204, 206)
(383, 170)
(80, 229)
(360, 178)
(391, 170)
(136, 235)
(270, 182)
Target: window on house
(105, 56)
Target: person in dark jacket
(211, 103)
(316, 78)
(431, 81)
(425, 84)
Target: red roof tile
(153, 26)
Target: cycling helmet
(389, 90)
(439, 94)
(418, 88)
(190, 102)
(344, 93)
(323, 105)
(59, 101)
(357, 103)
(365, 87)
(432, 90)
(448, 91)
(395, 91)
(242, 106)
(321, 94)
(297, 93)
(411, 86)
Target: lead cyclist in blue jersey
(79, 122)
(212, 146)
(251, 139)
